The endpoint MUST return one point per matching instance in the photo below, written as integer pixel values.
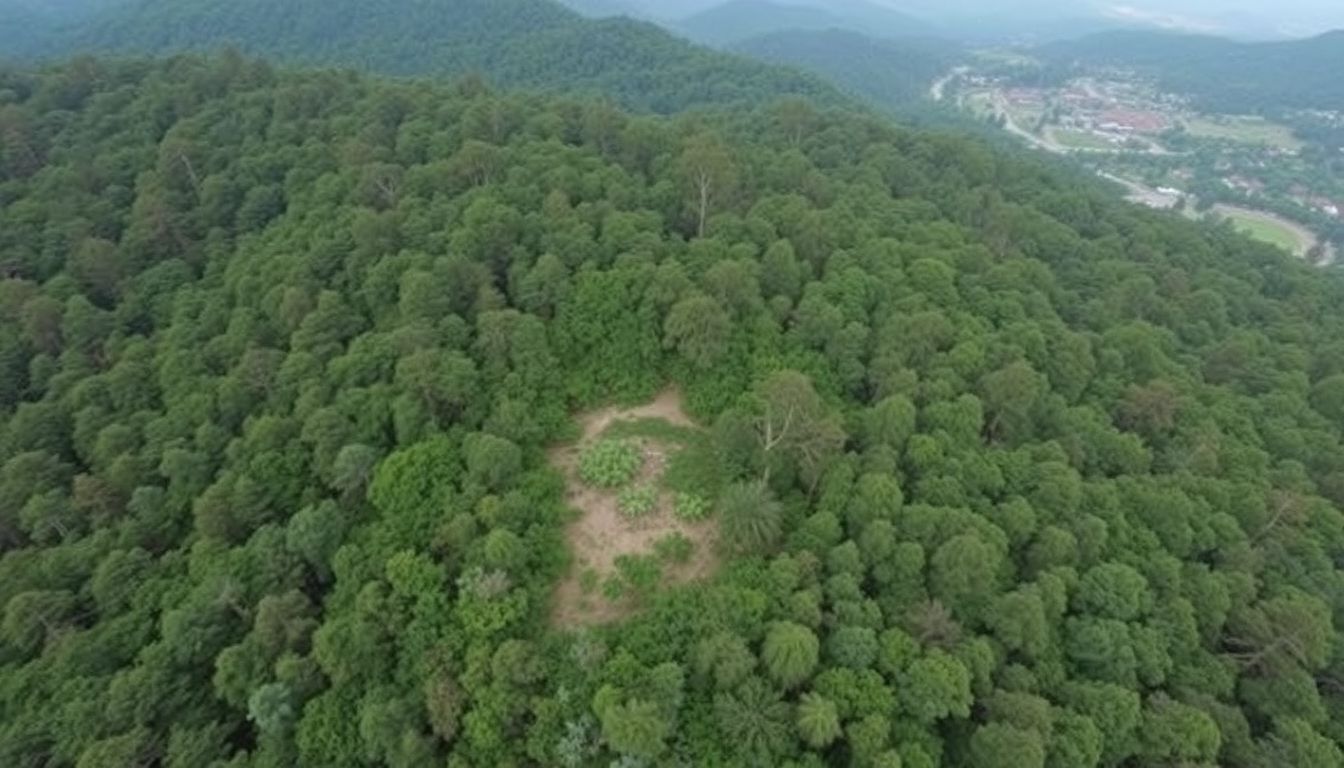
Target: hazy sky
(1243, 16)
(1301, 16)
(1260, 18)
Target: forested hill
(535, 43)
(1224, 75)
(1007, 474)
(887, 72)
(738, 20)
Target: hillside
(25, 24)
(887, 72)
(534, 43)
(986, 468)
(1223, 75)
(600, 9)
(738, 20)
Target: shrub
(588, 580)
(673, 548)
(637, 501)
(639, 573)
(610, 463)
(690, 507)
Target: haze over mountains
(1224, 75)
(988, 20)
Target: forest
(1006, 473)
(520, 43)
(894, 74)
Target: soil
(600, 533)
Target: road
(1010, 125)
(1143, 194)
(939, 88)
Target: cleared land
(1246, 130)
(1269, 228)
(609, 547)
(1080, 140)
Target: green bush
(690, 507)
(610, 463)
(588, 580)
(637, 501)
(613, 588)
(639, 573)
(674, 548)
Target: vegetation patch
(1244, 130)
(1080, 140)
(690, 507)
(638, 501)
(640, 480)
(610, 463)
(1267, 229)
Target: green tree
(998, 745)
(271, 708)
(790, 653)
(749, 517)
(699, 329)
(635, 727)
(818, 721)
(754, 721)
(936, 686)
(709, 176)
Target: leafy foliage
(691, 508)
(638, 501)
(610, 463)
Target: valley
(1166, 152)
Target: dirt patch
(601, 534)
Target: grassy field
(1079, 140)
(1027, 118)
(980, 103)
(1246, 130)
(1005, 56)
(1265, 230)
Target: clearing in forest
(641, 481)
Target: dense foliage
(1223, 76)
(1016, 475)
(535, 43)
(610, 463)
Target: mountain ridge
(529, 43)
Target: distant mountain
(602, 9)
(888, 72)
(534, 43)
(739, 20)
(1222, 75)
(26, 24)
(743, 19)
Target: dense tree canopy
(535, 43)
(1014, 474)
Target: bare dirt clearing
(601, 534)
